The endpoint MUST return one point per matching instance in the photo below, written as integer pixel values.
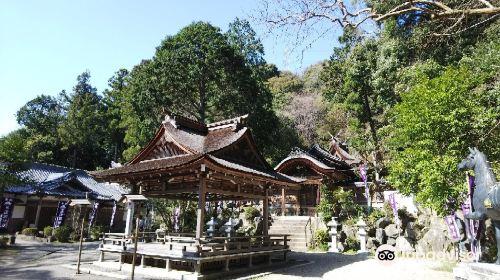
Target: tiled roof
(180, 142)
(326, 157)
(147, 165)
(319, 158)
(62, 181)
(298, 153)
(270, 174)
(201, 143)
(193, 137)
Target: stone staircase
(298, 227)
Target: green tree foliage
(359, 86)
(41, 118)
(284, 88)
(337, 203)
(199, 74)
(84, 129)
(437, 119)
(13, 155)
(114, 101)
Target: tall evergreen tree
(84, 129)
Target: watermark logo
(385, 254)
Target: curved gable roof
(182, 136)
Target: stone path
(33, 260)
(337, 266)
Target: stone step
(287, 229)
(294, 227)
(289, 223)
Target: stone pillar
(362, 235)
(130, 218)
(200, 214)
(38, 210)
(333, 233)
(212, 225)
(283, 206)
(265, 212)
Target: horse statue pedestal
(476, 271)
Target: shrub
(337, 203)
(320, 238)
(374, 216)
(351, 244)
(350, 222)
(62, 233)
(30, 231)
(96, 231)
(47, 231)
(251, 213)
(387, 209)
(74, 236)
(3, 241)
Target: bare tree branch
(280, 13)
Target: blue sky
(44, 45)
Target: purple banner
(362, 172)
(394, 205)
(6, 211)
(452, 227)
(113, 213)
(93, 213)
(177, 213)
(364, 177)
(62, 209)
(471, 226)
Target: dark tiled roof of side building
(54, 180)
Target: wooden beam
(265, 210)
(240, 194)
(200, 212)
(176, 190)
(283, 206)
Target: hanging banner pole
(6, 211)
(113, 213)
(62, 209)
(364, 176)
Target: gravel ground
(338, 266)
(34, 260)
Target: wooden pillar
(318, 194)
(38, 210)
(200, 215)
(265, 212)
(283, 208)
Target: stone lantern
(230, 227)
(333, 233)
(362, 235)
(212, 224)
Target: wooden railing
(118, 240)
(187, 245)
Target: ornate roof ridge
(234, 122)
(182, 121)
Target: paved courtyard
(33, 260)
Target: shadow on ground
(27, 272)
